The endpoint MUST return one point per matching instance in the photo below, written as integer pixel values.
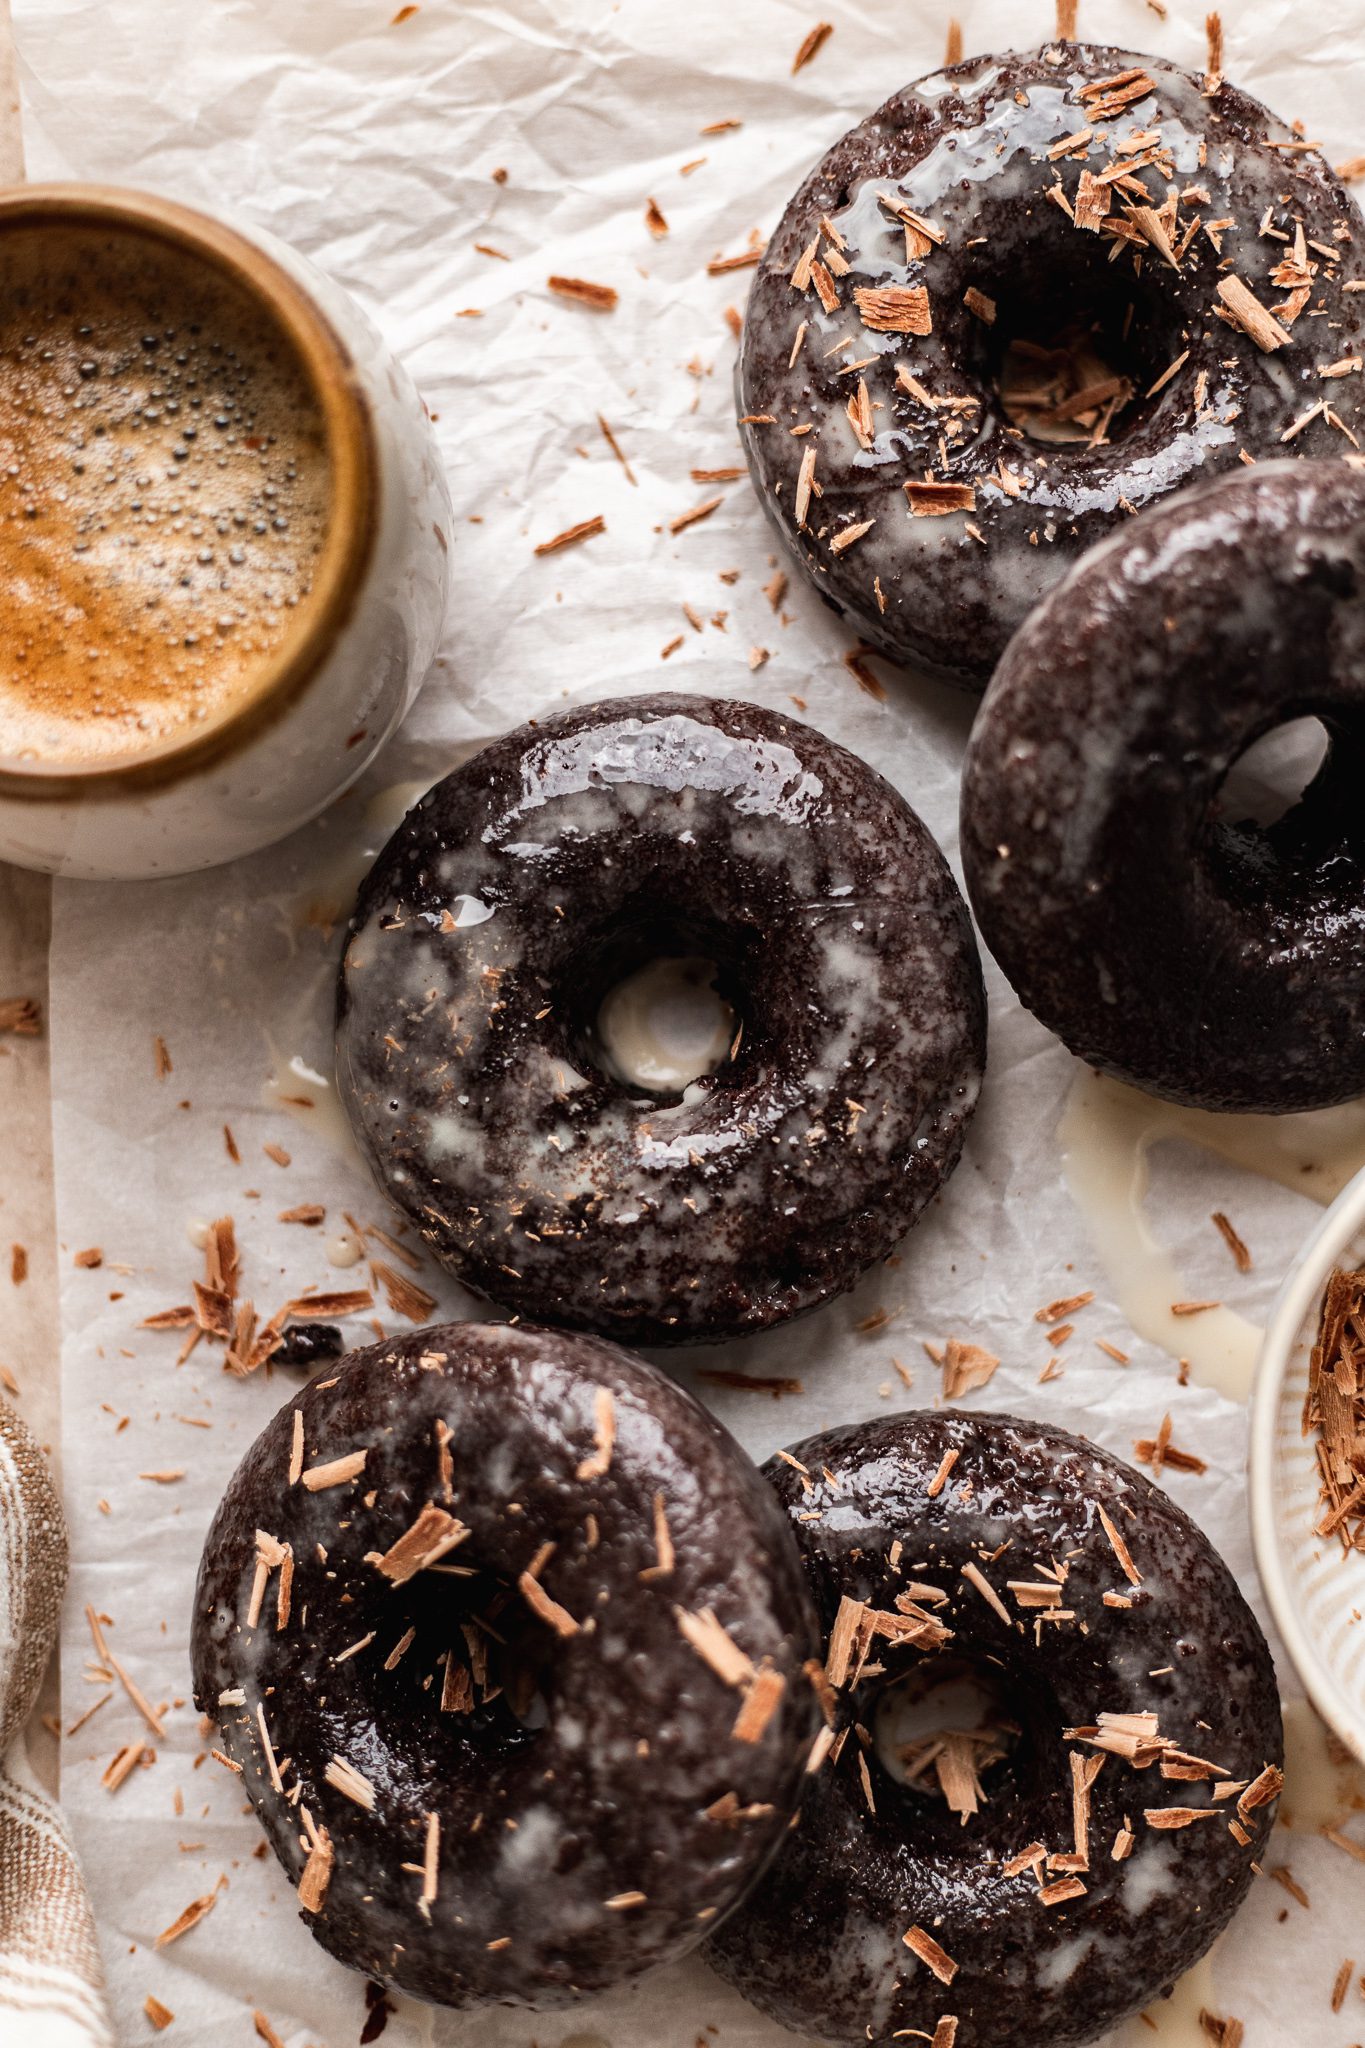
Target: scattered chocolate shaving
(404, 1296)
(1120, 1550)
(930, 1954)
(1213, 74)
(123, 1763)
(894, 309)
(747, 259)
(762, 1698)
(1285, 1877)
(547, 1609)
(976, 1577)
(351, 1783)
(317, 1873)
(598, 1464)
(571, 535)
(1159, 1451)
(1058, 1311)
(965, 1367)
(812, 44)
(335, 1472)
(1243, 309)
(715, 1646)
(940, 1478)
(160, 2015)
(1235, 1244)
(698, 512)
(110, 1662)
(431, 1537)
(1064, 1889)
(929, 500)
(776, 1384)
(978, 304)
(601, 297)
(192, 1915)
(355, 1301)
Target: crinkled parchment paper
(372, 143)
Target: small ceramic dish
(1315, 1589)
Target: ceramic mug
(321, 705)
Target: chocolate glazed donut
(1212, 963)
(527, 885)
(1101, 1823)
(504, 1634)
(958, 244)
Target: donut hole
(478, 1669)
(1073, 352)
(942, 1728)
(1270, 777)
(657, 1004)
(961, 1736)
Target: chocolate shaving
(431, 1536)
(1243, 309)
(715, 1646)
(192, 1915)
(965, 1367)
(601, 297)
(336, 1471)
(353, 1784)
(1120, 1550)
(929, 500)
(976, 1577)
(598, 1464)
(1235, 1244)
(930, 1954)
(894, 309)
(317, 1873)
(940, 1478)
(811, 45)
(572, 535)
(761, 1700)
(548, 1610)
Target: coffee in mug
(210, 469)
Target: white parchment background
(371, 143)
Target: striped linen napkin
(51, 1982)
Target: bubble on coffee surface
(164, 491)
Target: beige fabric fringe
(51, 1983)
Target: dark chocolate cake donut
(938, 312)
(1211, 962)
(527, 885)
(1042, 1865)
(505, 1633)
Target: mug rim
(335, 381)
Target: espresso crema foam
(164, 492)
